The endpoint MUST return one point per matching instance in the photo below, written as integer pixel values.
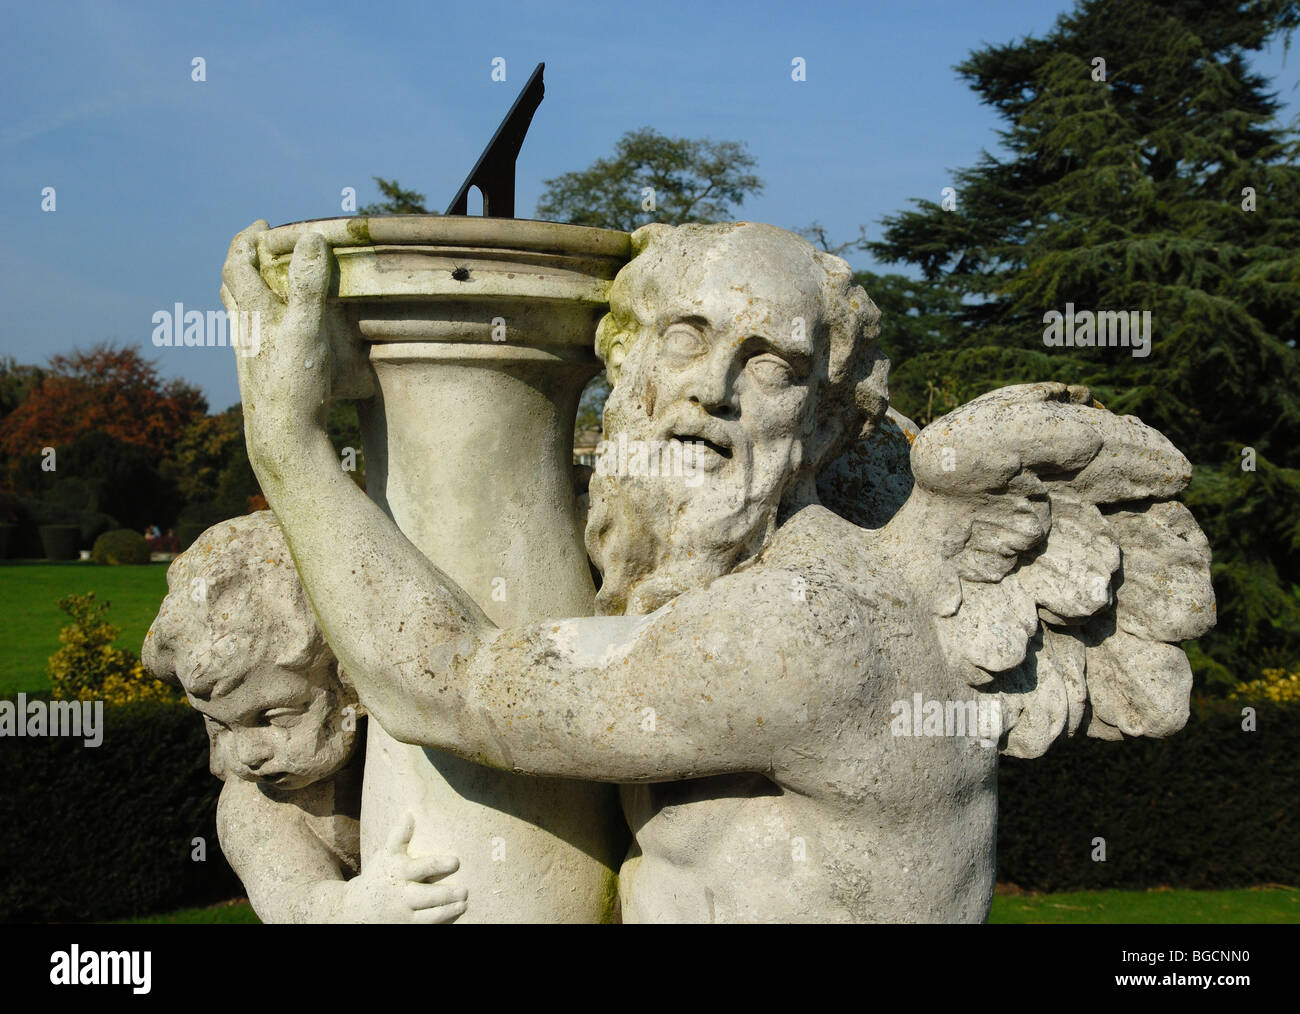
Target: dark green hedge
(28, 515)
(188, 531)
(105, 832)
(99, 833)
(1209, 807)
(60, 541)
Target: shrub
(101, 474)
(30, 514)
(121, 546)
(1275, 685)
(89, 524)
(188, 531)
(1212, 806)
(89, 667)
(60, 541)
(108, 832)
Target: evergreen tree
(1143, 169)
(396, 201)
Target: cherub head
(237, 632)
(757, 351)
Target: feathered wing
(1061, 572)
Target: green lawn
(1251, 904)
(233, 912)
(30, 621)
(1271, 904)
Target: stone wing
(1060, 570)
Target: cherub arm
(288, 872)
(292, 877)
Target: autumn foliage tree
(107, 389)
(110, 421)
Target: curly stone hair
(854, 395)
(234, 593)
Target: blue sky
(155, 172)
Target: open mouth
(718, 449)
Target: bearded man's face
(727, 364)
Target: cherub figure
(237, 633)
(744, 683)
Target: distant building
(585, 443)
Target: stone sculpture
(236, 632)
(803, 667)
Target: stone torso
(855, 823)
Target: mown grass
(1270, 904)
(237, 912)
(30, 620)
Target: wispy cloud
(46, 122)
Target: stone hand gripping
(305, 355)
(394, 886)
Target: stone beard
(758, 361)
(655, 536)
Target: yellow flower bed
(1274, 685)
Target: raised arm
(357, 567)
(711, 683)
(706, 685)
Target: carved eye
(683, 340)
(770, 370)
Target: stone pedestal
(480, 334)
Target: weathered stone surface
(237, 633)
(803, 706)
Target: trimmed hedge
(1211, 806)
(27, 515)
(188, 531)
(121, 546)
(60, 541)
(105, 832)
(102, 832)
